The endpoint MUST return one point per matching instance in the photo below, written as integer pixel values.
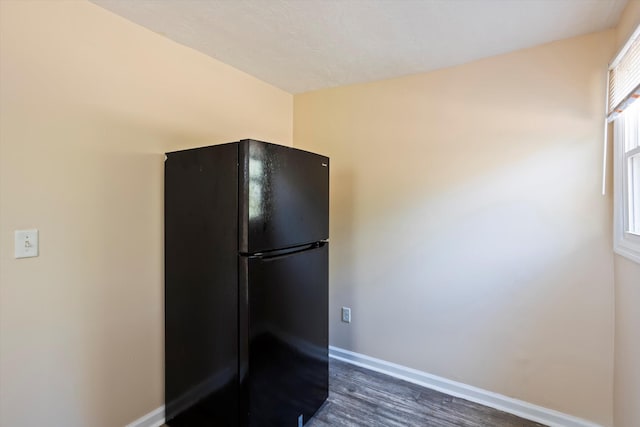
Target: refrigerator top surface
(248, 140)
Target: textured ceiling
(303, 45)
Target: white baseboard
(154, 418)
(517, 407)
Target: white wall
(468, 231)
(89, 103)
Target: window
(624, 110)
(626, 134)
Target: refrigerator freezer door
(284, 195)
(284, 358)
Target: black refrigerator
(246, 285)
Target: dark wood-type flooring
(359, 397)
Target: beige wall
(468, 231)
(627, 285)
(88, 105)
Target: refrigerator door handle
(267, 256)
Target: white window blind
(624, 77)
(624, 89)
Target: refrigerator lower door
(284, 355)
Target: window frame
(625, 243)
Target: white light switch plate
(26, 243)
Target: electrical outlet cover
(346, 314)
